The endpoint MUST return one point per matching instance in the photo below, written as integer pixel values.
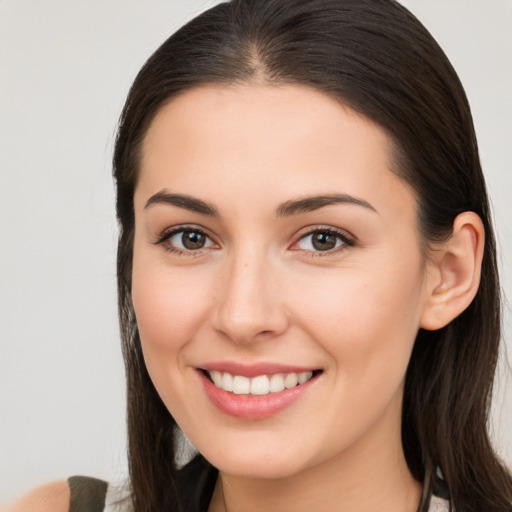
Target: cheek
(169, 307)
(356, 303)
(366, 320)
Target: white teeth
(241, 385)
(291, 380)
(304, 377)
(276, 383)
(227, 382)
(217, 378)
(260, 385)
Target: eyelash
(164, 240)
(346, 241)
(165, 237)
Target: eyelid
(347, 239)
(168, 233)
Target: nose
(249, 300)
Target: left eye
(321, 241)
(189, 240)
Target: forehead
(272, 119)
(267, 140)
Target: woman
(306, 268)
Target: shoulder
(53, 497)
(77, 493)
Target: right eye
(185, 240)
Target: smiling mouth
(259, 385)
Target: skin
(51, 497)
(259, 291)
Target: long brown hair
(377, 58)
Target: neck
(371, 475)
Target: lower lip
(253, 407)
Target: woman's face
(276, 253)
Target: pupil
(324, 241)
(193, 240)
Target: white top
(438, 505)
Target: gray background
(65, 68)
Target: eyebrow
(288, 208)
(311, 203)
(183, 201)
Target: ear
(454, 272)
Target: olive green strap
(87, 494)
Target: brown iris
(323, 241)
(193, 240)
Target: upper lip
(255, 369)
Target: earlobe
(455, 276)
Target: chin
(259, 469)
(257, 463)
